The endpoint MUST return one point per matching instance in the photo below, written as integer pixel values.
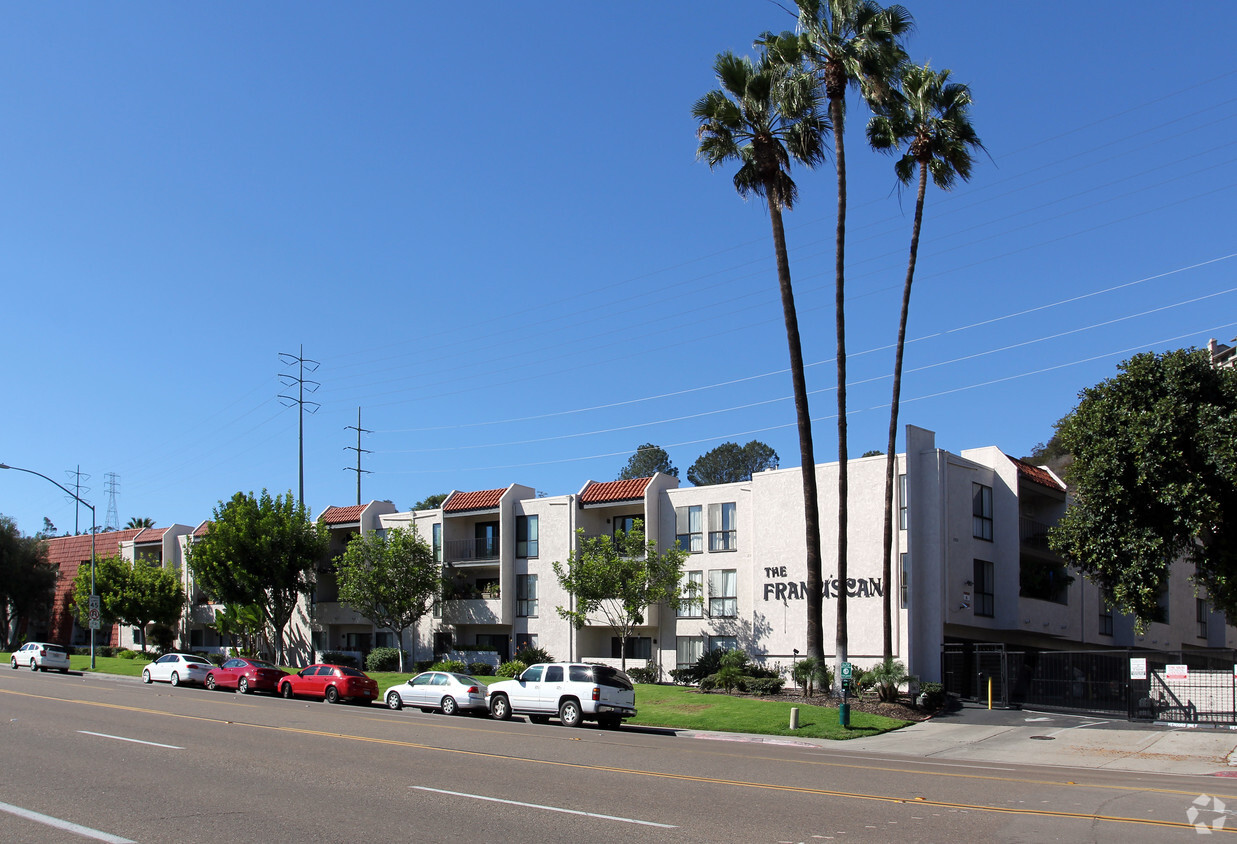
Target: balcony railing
(471, 550)
(473, 611)
(1033, 534)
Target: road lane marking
(67, 826)
(546, 808)
(882, 798)
(135, 741)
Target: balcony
(473, 611)
(1033, 536)
(466, 551)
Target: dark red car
(246, 675)
(331, 683)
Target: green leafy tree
(930, 124)
(27, 581)
(140, 522)
(765, 115)
(1155, 480)
(431, 502)
(619, 579)
(731, 463)
(134, 594)
(648, 460)
(243, 622)
(390, 578)
(849, 44)
(887, 677)
(260, 550)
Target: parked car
(246, 674)
(41, 655)
(331, 683)
(442, 690)
(177, 669)
(575, 692)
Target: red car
(331, 683)
(246, 675)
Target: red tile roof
(596, 493)
(150, 535)
(202, 529)
(76, 549)
(1036, 474)
(485, 499)
(342, 515)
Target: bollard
(794, 717)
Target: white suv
(41, 655)
(575, 692)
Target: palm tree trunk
(890, 457)
(811, 503)
(837, 116)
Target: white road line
(135, 741)
(84, 831)
(547, 808)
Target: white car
(442, 690)
(177, 669)
(575, 692)
(42, 655)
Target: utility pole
(78, 491)
(359, 451)
(300, 361)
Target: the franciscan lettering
(869, 587)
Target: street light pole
(93, 526)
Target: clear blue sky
(487, 222)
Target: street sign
(846, 671)
(94, 604)
(94, 624)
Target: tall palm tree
(140, 522)
(765, 115)
(930, 120)
(851, 44)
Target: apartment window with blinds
(688, 530)
(691, 604)
(689, 650)
(982, 511)
(723, 593)
(437, 531)
(526, 595)
(526, 536)
(722, 527)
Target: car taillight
(42, 652)
(473, 690)
(596, 693)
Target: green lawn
(659, 706)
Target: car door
(418, 690)
(551, 688)
(226, 674)
(527, 693)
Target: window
(526, 536)
(689, 649)
(1200, 615)
(485, 540)
(723, 593)
(906, 580)
(525, 640)
(723, 643)
(626, 523)
(982, 511)
(1045, 581)
(554, 674)
(1161, 605)
(688, 529)
(638, 647)
(195, 638)
(722, 527)
(526, 595)
(691, 604)
(1105, 616)
(985, 597)
(384, 640)
(437, 531)
(901, 502)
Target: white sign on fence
(1138, 668)
(1176, 672)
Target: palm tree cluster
(776, 110)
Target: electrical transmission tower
(76, 476)
(359, 451)
(111, 485)
(301, 362)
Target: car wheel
(146, 676)
(174, 679)
(286, 690)
(34, 666)
(210, 682)
(449, 706)
(500, 708)
(332, 694)
(13, 663)
(569, 713)
(242, 685)
(394, 701)
(538, 719)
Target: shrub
(456, 666)
(125, 653)
(647, 674)
(729, 677)
(811, 673)
(682, 676)
(708, 684)
(514, 668)
(104, 651)
(480, 668)
(710, 663)
(422, 665)
(764, 685)
(931, 695)
(888, 677)
(384, 659)
(531, 655)
(336, 658)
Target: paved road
(127, 762)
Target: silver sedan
(177, 669)
(439, 690)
